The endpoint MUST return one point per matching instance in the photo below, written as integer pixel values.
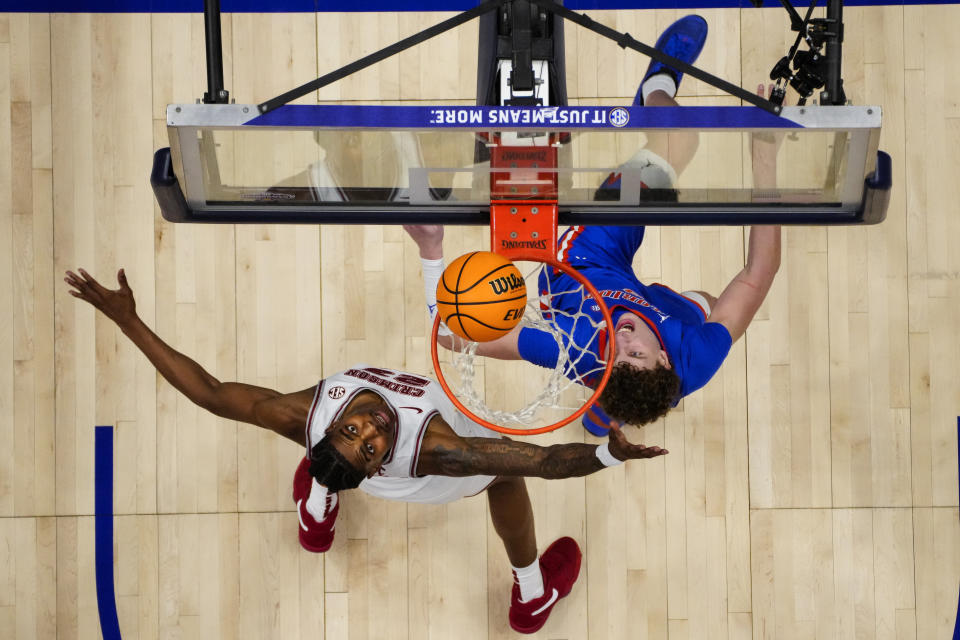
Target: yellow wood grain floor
(811, 489)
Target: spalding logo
(523, 244)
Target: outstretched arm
(446, 454)
(283, 413)
(739, 302)
(506, 347)
(764, 148)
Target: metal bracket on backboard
(523, 226)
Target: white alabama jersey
(415, 400)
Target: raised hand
(623, 449)
(764, 148)
(429, 239)
(116, 304)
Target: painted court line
(103, 526)
(956, 625)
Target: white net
(517, 393)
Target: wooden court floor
(811, 489)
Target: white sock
(317, 501)
(530, 580)
(432, 272)
(658, 82)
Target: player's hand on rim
(116, 304)
(622, 449)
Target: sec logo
(619, 117)
(336, 392)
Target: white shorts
(699, 299)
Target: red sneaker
(560, 565)
(316, 536)
(302, 480)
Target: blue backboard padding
(481, 118)
(290, 6)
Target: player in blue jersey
(669, 344)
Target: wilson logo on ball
(507, 283)
(481, 296)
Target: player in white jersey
(394, 435)
(409, 404)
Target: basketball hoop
(523, 227)
(539, 314)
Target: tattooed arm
(444, 453)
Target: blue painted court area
(956, 624)
(103, 534)
(311, 6)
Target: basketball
(481, 296)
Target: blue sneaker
(684, 41)
(596, 421)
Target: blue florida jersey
(604, 255)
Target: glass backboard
(603, 165)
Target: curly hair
(638, 396)
(331, 469)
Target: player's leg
(683, 40)
(675, 148)
(512, 518)
(664, 157)
(538, 583)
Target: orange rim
(611, 349)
